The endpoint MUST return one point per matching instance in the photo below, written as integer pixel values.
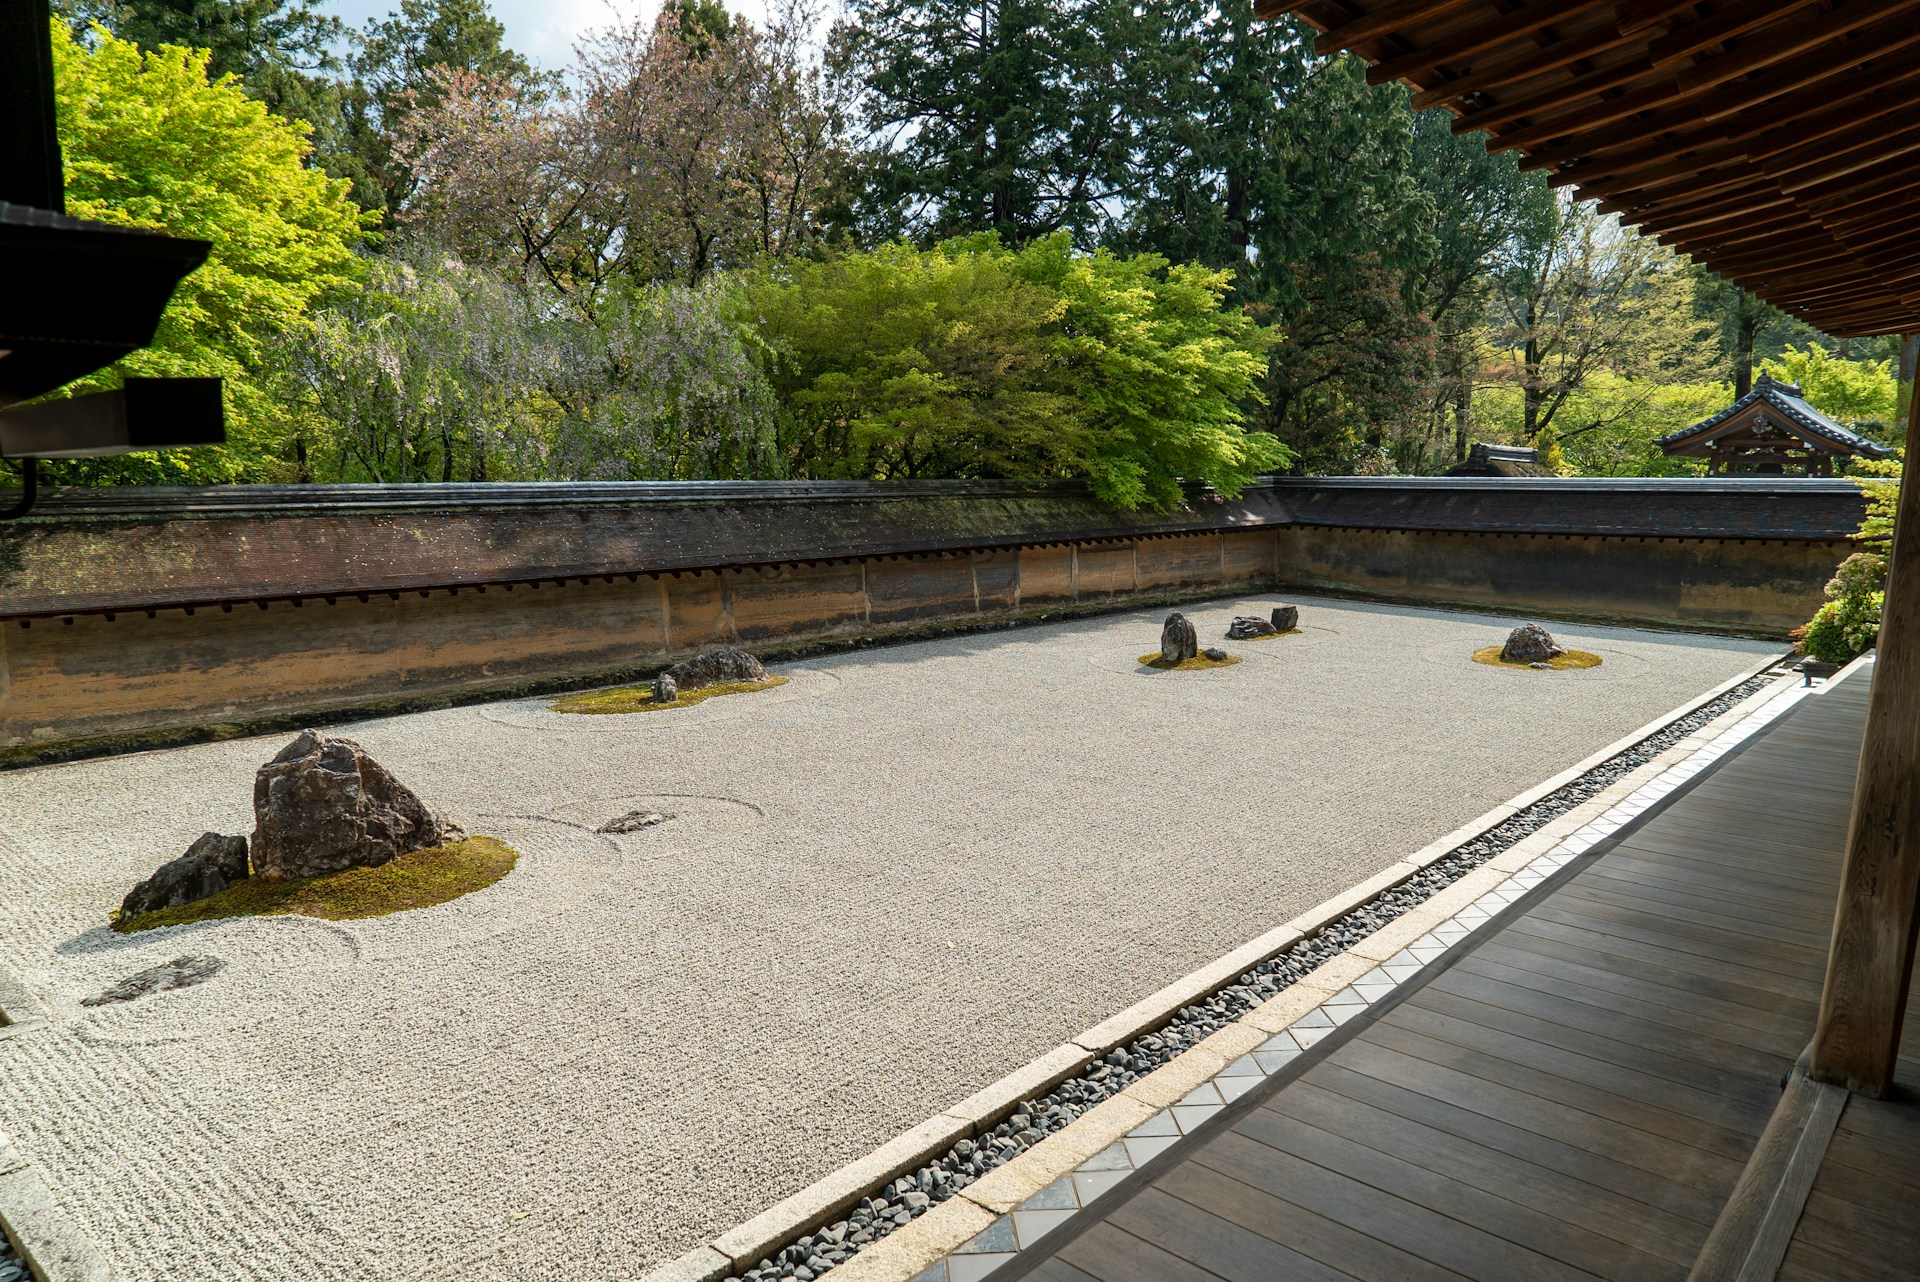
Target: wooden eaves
(1776, 142)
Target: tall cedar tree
(985, 115)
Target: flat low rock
(633, 821)
(211, 864)
(1178, 641)
(324, 805)
(1531, 643)
(1245, 627)
(181, 972)
(715, 667)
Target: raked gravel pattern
(885, 885)
(912, 1195)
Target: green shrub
(1841, 631)
(969, 359)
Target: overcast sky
(543, 30)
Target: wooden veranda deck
(1575, 1093)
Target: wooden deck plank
(1576, 1093)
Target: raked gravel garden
(880, 885)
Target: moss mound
(1198, 663)
(419, 879)
(1571, 659)
(640, 698)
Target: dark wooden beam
(1870, 963)
(1524, 63)
(1737, 19)
(1379, 21)
(1476, 40)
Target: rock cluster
(1530, 643)
(210, 865)
(714, 667)
(1245, 627)
(1178, 641)
(181, 972)
(323, 805)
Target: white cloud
(545, 31)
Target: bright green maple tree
(149, 141)
(970, 359)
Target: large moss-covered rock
(719, 666)
(1531, 643)
(323, 805)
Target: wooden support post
(1871, 961)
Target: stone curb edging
(46, 1238)
(930, 1235)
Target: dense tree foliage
(684, 148)
(151, 142)
(972, 359)
(1015, 238)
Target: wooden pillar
(1871, 962)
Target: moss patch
(1198, 663)
(419, 879)
(1571, 659)
(640, 698)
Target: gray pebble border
(900, 1202)
(12, 1267)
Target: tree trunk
(1743, 355)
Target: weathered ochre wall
(132, 675)
(132, 616)
(1765, 587)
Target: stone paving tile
(1031, 1226)
(1160, 1123)
(1091, 1184)
(971, 1268)
(996, 1237)
(1112, 1158)
(1145, 1150)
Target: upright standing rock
(1178, 641)
(665, 688)
(323, 805)
(1530, 643)
(1286, 618)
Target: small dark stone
(181, 972)
(634, 821)
(1286, 618)
(1178, 641)
(210, 865)
(1216, 654)
(665, 688)
(1245, 627)
(1530, 643)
